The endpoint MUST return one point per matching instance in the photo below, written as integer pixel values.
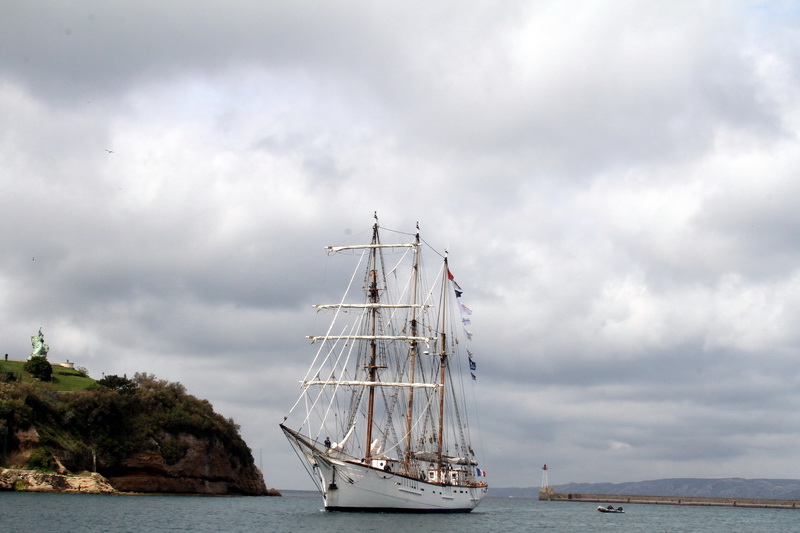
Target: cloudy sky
(616, 182)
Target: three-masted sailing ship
(381, 423)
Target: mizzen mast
(443, 367)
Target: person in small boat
(327, 442)
(610, 507)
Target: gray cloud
(613, 181)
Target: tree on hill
(122, 384)
(39, 368)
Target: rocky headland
(140, 436)
(33, 481)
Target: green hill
(64, 379)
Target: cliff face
(206, 468)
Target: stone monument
(39, 348)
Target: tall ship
(381, 422)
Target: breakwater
(549, 495)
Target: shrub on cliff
(41, 459)
(39, 368)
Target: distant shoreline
(724, 489)
(669, 500)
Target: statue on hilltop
(39, 348)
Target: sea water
(302, 512)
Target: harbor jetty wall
(549, 495)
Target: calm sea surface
(302, 512)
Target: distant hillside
(778, 489)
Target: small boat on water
(381, 423)
(610, 509)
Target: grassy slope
(64, 379)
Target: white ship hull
(349, 486)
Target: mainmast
(372, 368)
(412, 352)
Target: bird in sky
(109, 151)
